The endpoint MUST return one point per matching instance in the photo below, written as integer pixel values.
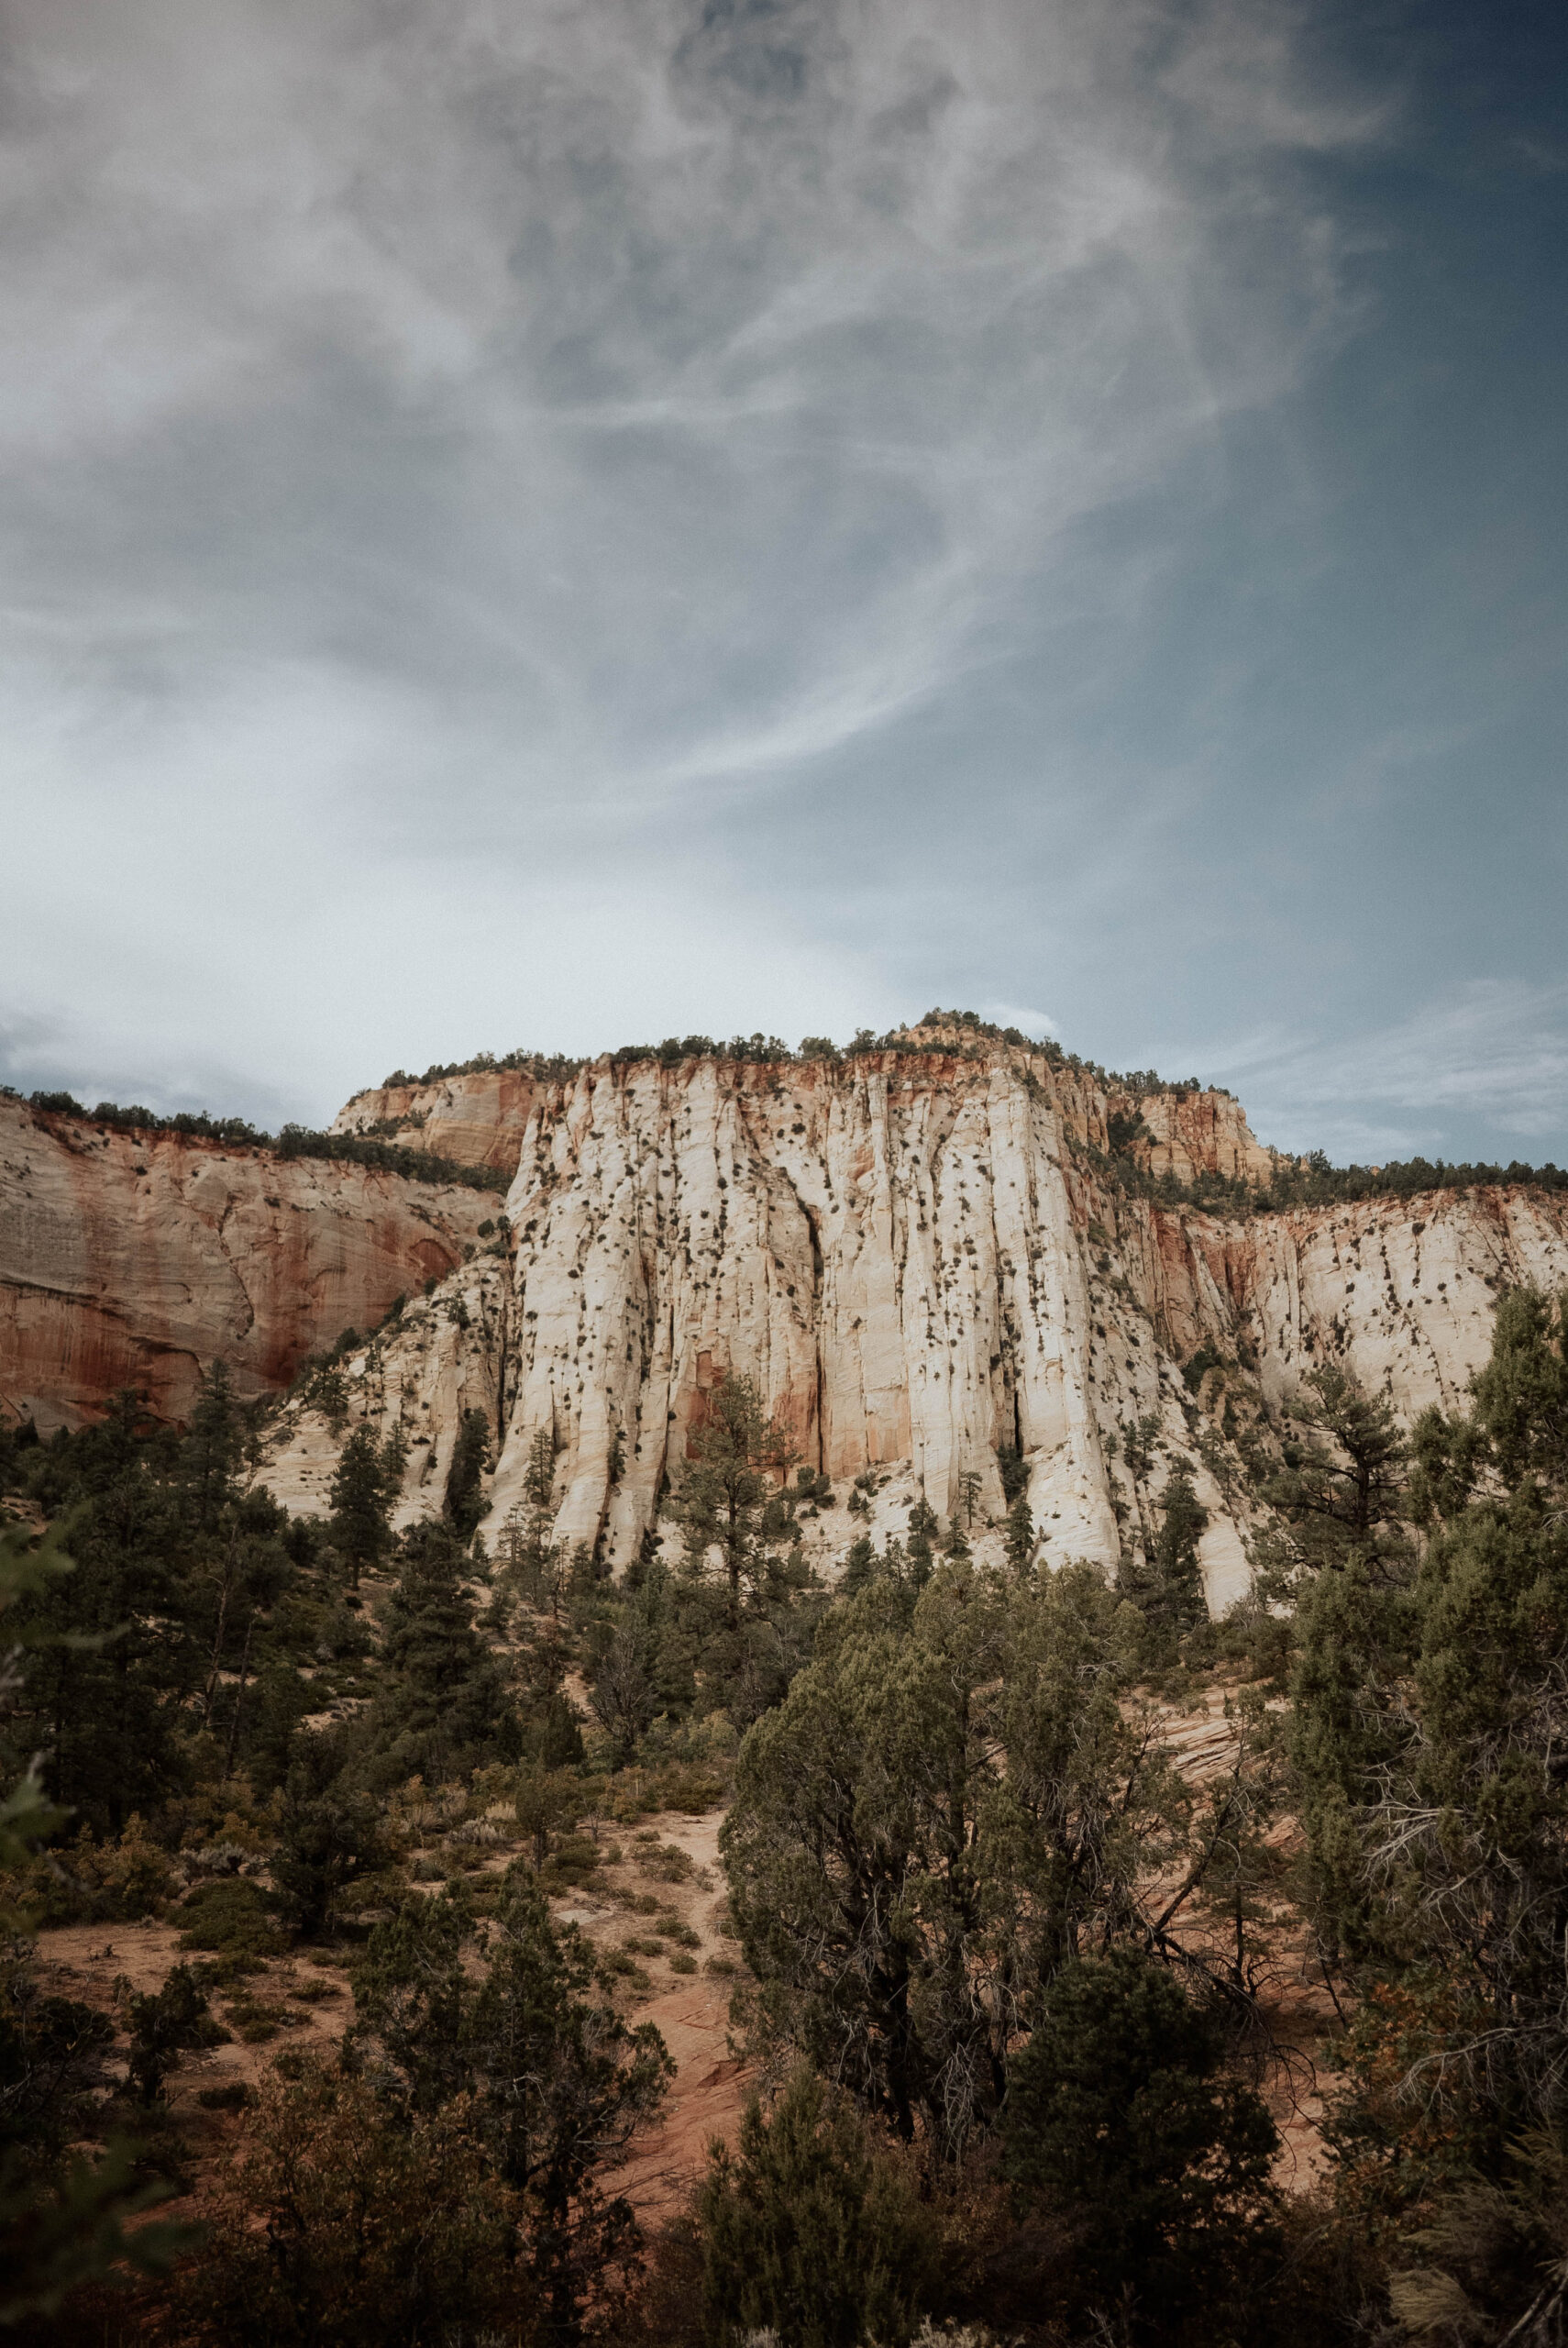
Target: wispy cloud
(736, 361)
(1489, 1059)
(461, 467)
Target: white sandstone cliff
(918, 1258)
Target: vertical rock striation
(918, 1257)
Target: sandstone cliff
(141, 1258)
(918, 1258)
(477, 1119)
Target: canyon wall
(917, 1257)
(138, 1259)
(478, 1119)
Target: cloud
(1488, 1060)
(688, 388)
(469, 464)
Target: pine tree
(1019, 1539)
(212, 1452)
(1344, 1490)
(361, 1505)
(445, 1704)
(1177, 1602)
(464, 1500)
(736, 1452)
(923, 1527)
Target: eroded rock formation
(918, 1258)
(134, 1259)
(477, 1119)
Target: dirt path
(691, 2011)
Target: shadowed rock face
(130, 1260)
(919, 1258)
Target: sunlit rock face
(919, 1258)
(141, 1259)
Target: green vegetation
(291, 1141)
(1028, 2000)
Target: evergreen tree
(1343, 1490)
(116, 1651)
(444, 1705)
(1019, 1538)
(811, 2231)
(329, 1834)
(944, 1778)
(465, 1502)
(1121, 2119)
(361, 1505)
(1425, 1732)
(559, 2084)
(734, 1454)
(1177, 1602)
(923, 1527)
(214, 1448)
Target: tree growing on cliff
(465, 1498)
(1019, 1539)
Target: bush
(335, 2229)
(115, 1882)
(230, 1919)
(813, 2229)
(1120, 2117)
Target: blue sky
(564, 524)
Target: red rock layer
(139, 1260)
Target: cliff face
(919, 1258)
(141, 1259)
(475, 1120)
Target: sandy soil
(637, 1887)
(313, 2004)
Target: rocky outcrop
(477, 1119)
(138, 1259)
(919, 1258)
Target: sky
(554, 523)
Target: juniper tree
(811, 2231)
(946, 1802)
(558, 2083)
(1121, 2121)
(1428, 1721)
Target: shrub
(332, 2228)
(230, 1919)
(1119, 2116)
(813, 2228)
